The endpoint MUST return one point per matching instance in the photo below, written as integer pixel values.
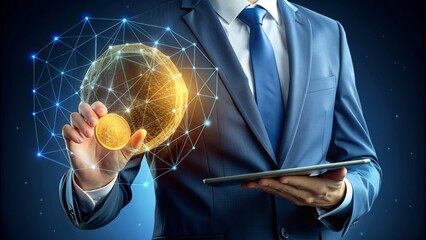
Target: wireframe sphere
(142, 85)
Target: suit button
(71, 213)
(284, 233)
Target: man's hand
(326, 191)
(94, 165)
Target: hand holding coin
(99, 144)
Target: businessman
(287, 98)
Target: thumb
(134, 144)
(335, 175)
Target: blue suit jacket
(323, 122)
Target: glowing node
(53, 134)
(57, 104)
(34, 90)
(173, 110)
(93, 166)
(167, 29)
(174, 168)
(167, 144)
(62, 73)
(110, 89)
(55, 39)
(127, 110)
(193, 147)
(194, 44)
(124, 20)
(86, 18)
(145, 184)
(183, 49)
(76, 93)
(39, 154)
(186, 132)
(33, 56)
(207, 123)
(216, 97)
(198, 94)
(217, 69)
(156, 43)
(34, 113)
(193, 67)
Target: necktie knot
(252, 16)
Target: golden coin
(112, 132)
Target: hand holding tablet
(307, 170)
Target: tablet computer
(313, 170)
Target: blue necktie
(267, 82)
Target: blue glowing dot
(33, 56)
(39, 154)
(53, 134)
(156, 42)
(174, 167)
(34, 113)
(207, 123)
(55, 38)
(167, 29)
(86, 18)
(124, 20)
(145, 184)
(183, 49)
(34, 90)
(57, 104)
(62, 73)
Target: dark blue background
(387, 42)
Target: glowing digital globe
(142, 85)
(152, 76)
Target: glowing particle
(207, 123)
(93, 166)
(86, 18)
(173, 110)
(174, 167)
(124, 20)
(167, 29)
(145, 184)
(34, 90)
(183, 49)
(39, 154)
(55, 39)
(33, 56)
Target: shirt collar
(230, 9)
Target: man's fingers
(135, 143)
(335, 175)
(88, 114)
(78, 122)
(306, 196)
(99, 108)
(70, 134)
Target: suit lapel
(298, 34)
(205, 25)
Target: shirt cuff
(89, 199)
(322, 213)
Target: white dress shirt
(238, 35)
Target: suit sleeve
(119, 196)
(351, 140)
